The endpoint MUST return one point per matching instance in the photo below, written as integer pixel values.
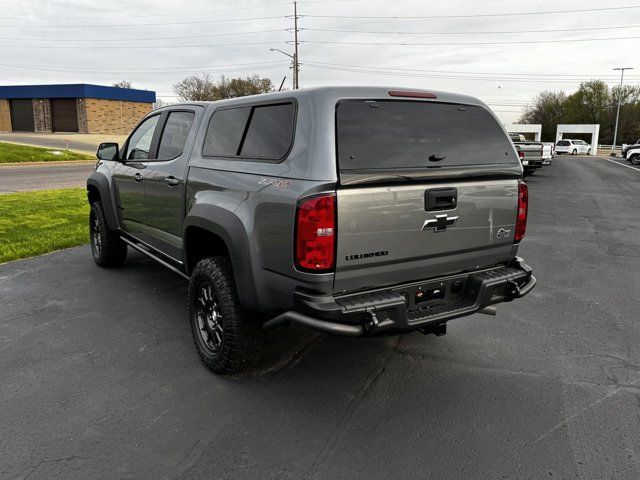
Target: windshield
(392, 134)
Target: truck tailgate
(387, 235)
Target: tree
(122, 84)
(202, 88)
(548, 110)
(629, 122)
(590, 104)
(195, 88)
(241, 87)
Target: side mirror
(108, 151)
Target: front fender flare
(100, 182)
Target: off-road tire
(230, 340)
(106, 245)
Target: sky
(503, 52)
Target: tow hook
(513, 290)
(371, 321)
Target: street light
(295, 65)
(615, 131)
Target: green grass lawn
(33, 223)
(10, 153)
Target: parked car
(530, 153)
(350, 210)
(548, 152)
(626, 146)
(632, 154)
(574, 147)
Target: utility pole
(615, 131)
(296, 64)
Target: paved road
(99, 378)
(87, 143)
(19, 178)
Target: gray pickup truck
(530, 153)
(351, 210)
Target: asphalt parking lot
(99, 378)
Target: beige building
(81, 108)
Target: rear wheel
(575, 152)
(227, 339)
(106, 245)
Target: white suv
(574, 147)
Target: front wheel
(227, 339)
(635, 160)
(106, 245)
(589, 152)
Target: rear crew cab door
(426, 189)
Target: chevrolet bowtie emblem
(440, 223)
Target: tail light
(523, 207)
(315, 242)
(521, 155)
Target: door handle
(171, 181)
(441, 199)
(137, 177)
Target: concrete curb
(62, 149)
(53, 163)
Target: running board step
(146, 252)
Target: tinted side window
(175, 135)
(140, 141)
(270, 132)
(225, 131)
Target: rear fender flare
(231, 230)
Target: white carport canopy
(535, 128)
(590, 128)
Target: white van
(574, 147)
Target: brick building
(79, 108)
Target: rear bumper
(532, 163)
(403, 308)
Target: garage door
(22, 115)
(64, 115)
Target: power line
(174, 14)
(64, 68)
(463, 72)
(162, 71)
(130, 39)
(145, 24)
(479, 15)
(449, 77)
(515, 42)
(378, 32)
(128, 47)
